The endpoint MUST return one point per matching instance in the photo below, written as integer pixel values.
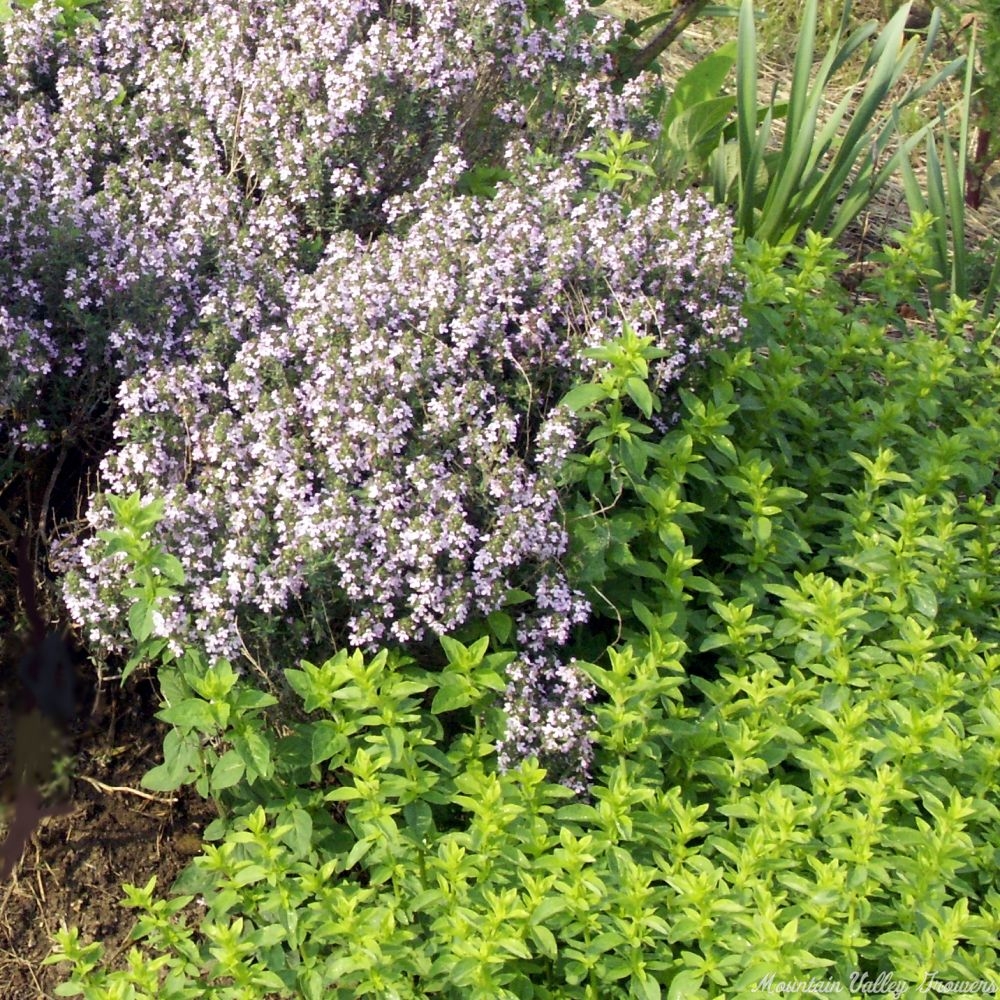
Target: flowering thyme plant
(395, 441)
(237, 228)
(394, 447)
(325, 270)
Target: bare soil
(73, 868)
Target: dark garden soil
(74, 866)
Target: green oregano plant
(615, 163)
(215, 740)
(796, 711)
(393, 860)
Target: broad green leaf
(170, 566)
(149, 515)
(249, 874)
(141, 620)
(253, 748)
(165, 778)
(501, 625)
(455, 692)
(346, 793)
(514, 597)
(641, 396)
(191, 713)
(180, 764)
(924, 600)
(250, 699)
(645, 987)
(583, 396)
(228, 771)
(697, 131)
(701, 83)
(545, 940)
(358, 852)
(327, 742)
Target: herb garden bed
(547, 583)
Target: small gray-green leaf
(924, 600)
